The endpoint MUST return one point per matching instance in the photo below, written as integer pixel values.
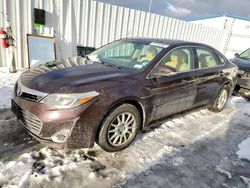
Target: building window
(82, 50)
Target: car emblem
(19, 92)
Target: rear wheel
(119, 128)
(221, 100)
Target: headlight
(65, 101)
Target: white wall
(93, 24)
(239, 32)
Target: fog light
(61, 136)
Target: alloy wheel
(121, 129)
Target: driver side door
(174, 91)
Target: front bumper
(43, 122)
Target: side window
(221, 60)
(179, 60)
(207, 58)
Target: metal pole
(149, 7)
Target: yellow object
(84, 100)
(177, 61)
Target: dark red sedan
(119, 89)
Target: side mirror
(236, 55)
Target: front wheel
(221, 100)
(119, 128)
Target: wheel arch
(230, 86)
(227, 83)
(129, 100)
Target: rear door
(173, 92)
(210, 75)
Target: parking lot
(155, 93)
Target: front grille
(29, 120)
(30, 97)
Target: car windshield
(134, 55)
(245, 54)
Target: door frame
(180, 82)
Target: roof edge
(220, 15)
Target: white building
(88, 23)
(238, 37)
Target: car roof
(167, 41)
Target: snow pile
(16, 172)
(7, 82)
(41, 166)
(244, 149)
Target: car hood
(74, 76)
(242, 63)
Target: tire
(119, 128)
(221, 100)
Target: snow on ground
(222, 171)
(7, 81)
(102, 169)
(209, 160)
(246, 181)
(174, 147)
(244, 149)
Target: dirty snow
(222, 171)
(208, 157)
(178, 161)
(102, 169)
(246, 181)
(192, 150)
